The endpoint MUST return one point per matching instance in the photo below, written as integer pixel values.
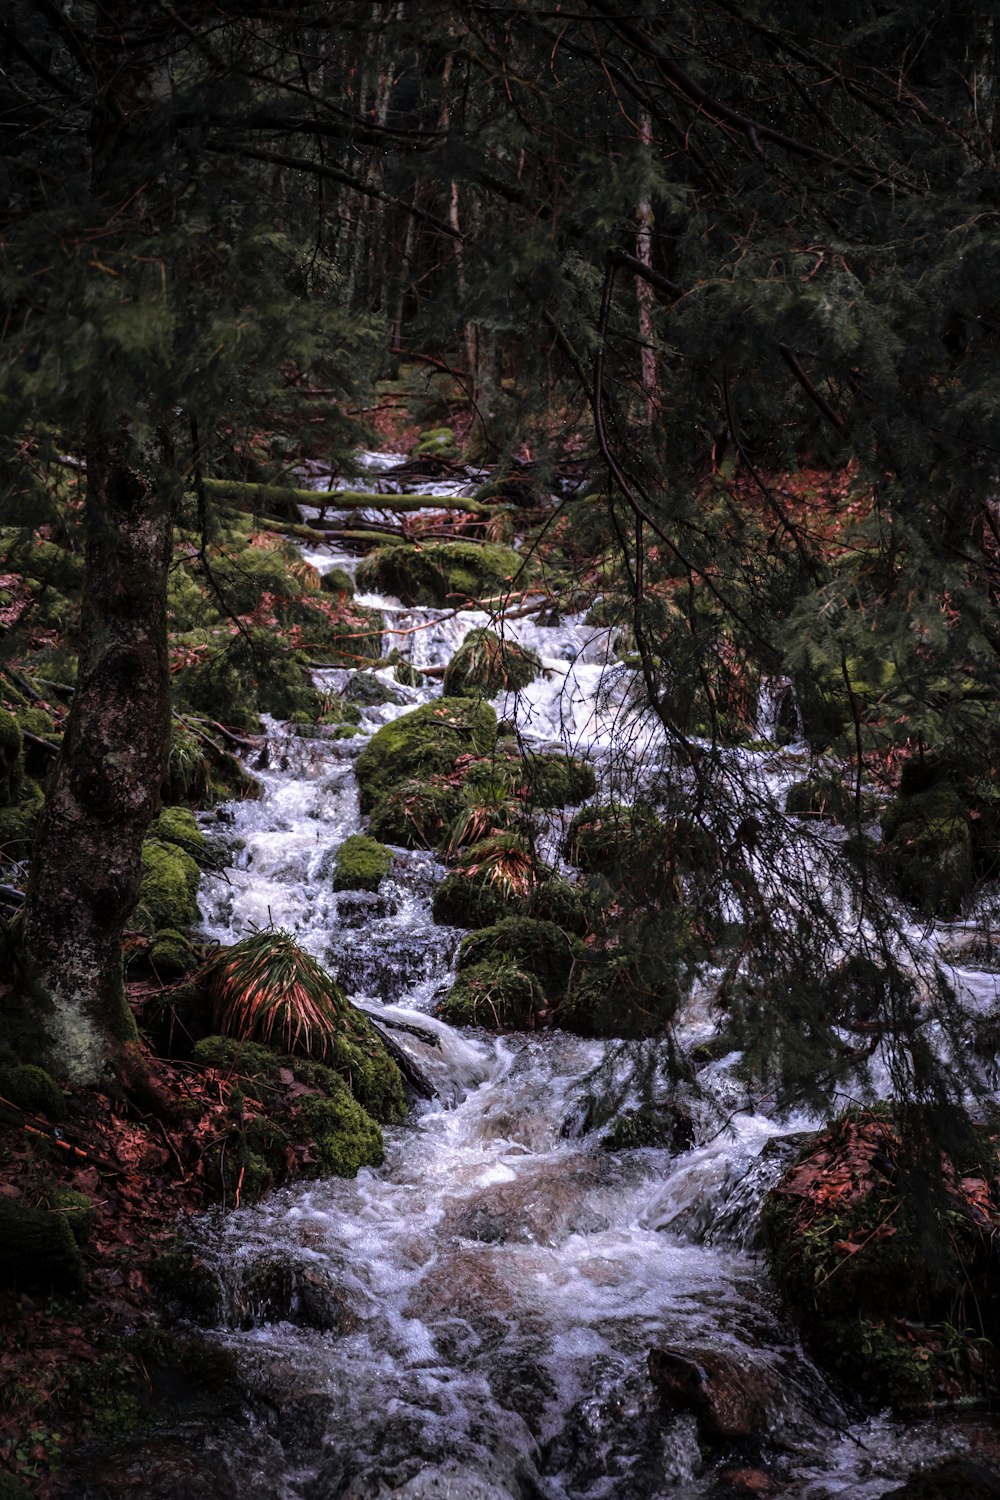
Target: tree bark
(86, 871)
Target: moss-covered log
(263, 495)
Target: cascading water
(473, 1319)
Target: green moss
(635, 984)
(77, 1209)
(495, 993)
(171, 954)
(440, 573)
(17, 829)
(32, 1089)
(436, 442)
(362, 863)
(539, 949)
(177, 825)
(11, 758)
(344, 1137)
(818, 797)
(12, 1488)
(246, 576)
(229, 1055)
(468, 901)
(337, 581)
(422, 744)
(37, 1249)
(168, 895)
(929, 849)
(487, 664)
(556, 781)
(368, 690)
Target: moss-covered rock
(487, 664)
(417, 814)
(821, 797)
(540, 949)
(177, 825)
(556, 781)
(78, 1211)
(362, 863)
(343, 1136)
(928, 847)
(634, 980)
(440, 573)
(168, 896)
(171, 954)
(32, 1089)
(337, 581)
(632, 848)
(878, 1273)
(471, 901)
(37, 1249)
(369, 690)
(436, 442)
(497, 994)
(421, 744)
(11, 758)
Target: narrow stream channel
(487, 1299)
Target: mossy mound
(11, 758)
(631, 848)
(244, 577)
(928, 849)
(368, 690)
(32, 1089)
(556, 781)
(883, 1248)
(633, 982)
(177, 825)
(18, 824)
(468, 901)
(171, 955)
(417, 814)
(362, 863)
(820, 797)
(37, 1249)
(332, 1108)
(168, 896)
(436, 442)
(511, 975)
(486, 664)
(421, 744)
(78, 1211)
(440, 573)
(499, 995)
(339, 582)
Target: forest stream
(474, 1319)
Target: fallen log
(262, 495)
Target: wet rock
(729, 1397)
(276, 1290)
(744, 1482)
(954, 1479)
(359, 908)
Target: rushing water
(473, 1319)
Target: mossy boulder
(540, 949)
(17, 827)
(440, 573)
(819, 797)
(11, 758)
(368, 690)
(171, 954)
(339, 582)
(556, 781)
(436, 442)
(343, 1136)
(177, 825)
(632, 848)
(875, 1239)
(471, 901)
(487, 664)
(633, 980)
(928, 849)
(244, 577)
(417, 814)
(499, 995)
(37, 1249)
(78, 1211)
(362, 863)
(168, 896)
(32, 1089)
(421, 744)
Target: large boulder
(439, 573)
(421, 744)
(730, 1397)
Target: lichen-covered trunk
(86, 870)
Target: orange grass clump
(267, 989)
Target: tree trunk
(86, 870)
